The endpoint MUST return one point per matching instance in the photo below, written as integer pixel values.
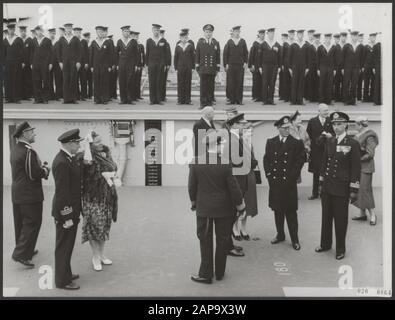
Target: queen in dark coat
(368, 141)
(99, 199)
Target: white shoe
(106, 261)
(98, 266)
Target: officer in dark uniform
(141, 66)
(351, 69)
(127, 55)
(235, 58)
(338, 78)
(319, 129)
(100, 60)
(269, 66)
(326, 69)
(184, 63)
(283, 160)
(52, 87)
(13, 61)
(339, 179)
(376, 69)
(26, 78)
(41, 63)
(155, 57)
(167, 66)
(86, 46)
(208, 55)
(298, 68)
(286, 67)
(368, 77)
(253, 65)
(70, 55)
(66, 206)
(27, 194)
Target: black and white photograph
(197, 150)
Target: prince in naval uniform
(27, 194)
(208, 55)
(66, 206)
(283, 160)
(339, 179)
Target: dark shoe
(340, 256)
(45, 102)
(75, 277)
(70, 286)
(34, 253)
(313, 197)
(26, 263)
(75, 102)
(276, 240)
(237, 248)
(359, 218)
(151, 103)
(236, 253)
(219, 278)
(236, 237)
(83, 99)
(189, 103)
(161, 103)
(121, 102)
(296, 246)
(245, 236)
(105, 102)
(201, 280)
(321, 249)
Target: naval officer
(66, 206)
(283, 160)
(339, 183)
(208, 54)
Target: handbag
(258, 177)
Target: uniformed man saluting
(283, 160)
(235, 61)
(339, 179)
(66, 206)
(27, 194)
(208, 55)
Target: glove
(353, 197)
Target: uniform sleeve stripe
(28, 166)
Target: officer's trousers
(377, 87)
(334, 208)
(65, 240)
(368, 85)
(292, 222)
(55, 82)
(126, 82)
(338, 86)
(207, 85)
(205, 235)
(27, 223)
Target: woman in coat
(368, 141)
(99, 198)
(298, 131)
